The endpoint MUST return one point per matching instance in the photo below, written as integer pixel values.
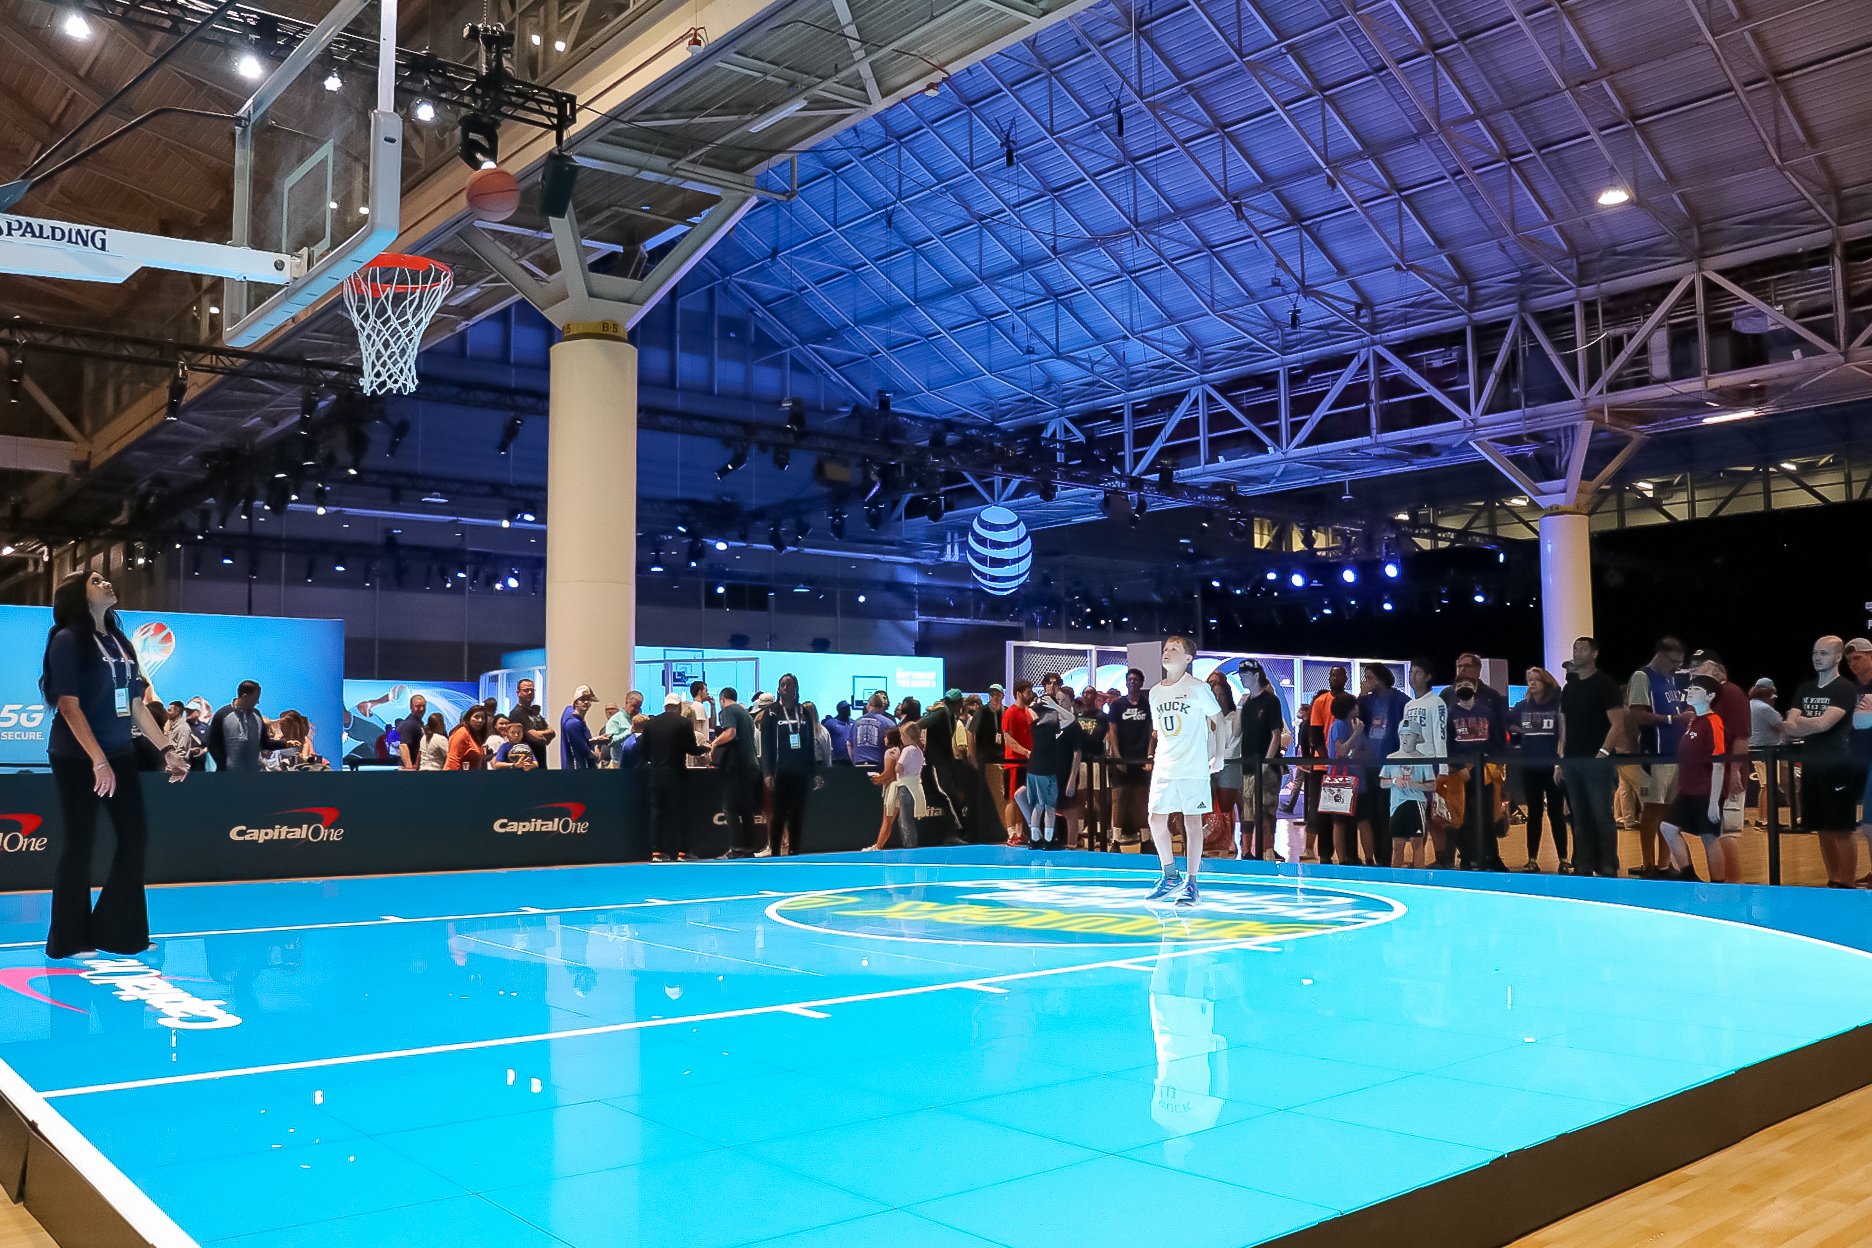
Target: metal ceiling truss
(1626, 365)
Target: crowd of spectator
(1424, 774)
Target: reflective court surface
(953, 1048)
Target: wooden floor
(1806, 1183)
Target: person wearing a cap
(839, 728)
(667, 743)
(1732, 707)
(576, 750)
(1859, 662)
(1817, 733)
(1696, 809)
(939, 728)
(868, 732)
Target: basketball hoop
(391, 301)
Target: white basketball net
(391, 301)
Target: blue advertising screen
(372, 707)
(299, 664)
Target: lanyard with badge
(120, 690)
(792, 727)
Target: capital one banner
(299, 664)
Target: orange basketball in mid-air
(492, 194)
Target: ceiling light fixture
(778, 114)
(75, 26)
(1723, 418)
(1613, 196)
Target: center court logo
(571, 823)
(19, 834)
(323, 826)
(1113, 913)
(128, 980)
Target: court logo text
(1038, 912)
(129, 980)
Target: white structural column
(591, 534)
(1565, 584)
(1565, 534)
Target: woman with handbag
(1339, 790)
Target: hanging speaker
(556, 182)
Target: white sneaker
(869, 849)
(763, 853)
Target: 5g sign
(27, 715)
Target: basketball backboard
(317, 156)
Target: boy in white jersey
(1183, 711)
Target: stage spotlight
(508, 435)
(719, 545)
(1270, 575)
(795, 412)
(696, 551)
(1392, 569)
(736, 458)
(1387, 605)
(1476, 595)
(774, 539)
(874, 515)
(178, 390)
(836, 522)
(1349, 574)
(1298, 580)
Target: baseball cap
(672, 699)
(1252, 665)
(952, 695)
(584, 691)
(996, 689)
(1699, 657)
(1764, 683)
(1859, 645)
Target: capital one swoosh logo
(572, 823)
(128, 980)
(19, 833)
(323, 826)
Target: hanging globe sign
(1000, 553)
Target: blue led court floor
(954, 1049)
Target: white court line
(129, 1200)
(803, 1012)
(977, 983)
(522, 912)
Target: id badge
(123, 702)
(793, 739)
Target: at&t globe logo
(1000, 553)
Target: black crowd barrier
(1779, 800)
(265, 826)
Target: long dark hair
(72, 609)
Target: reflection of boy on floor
(1411, 784)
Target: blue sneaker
(1186, 896)
(1167, 887)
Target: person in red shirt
(1702, 760)
(1017, 741)
(1732, 707)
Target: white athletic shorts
(1172, 796)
